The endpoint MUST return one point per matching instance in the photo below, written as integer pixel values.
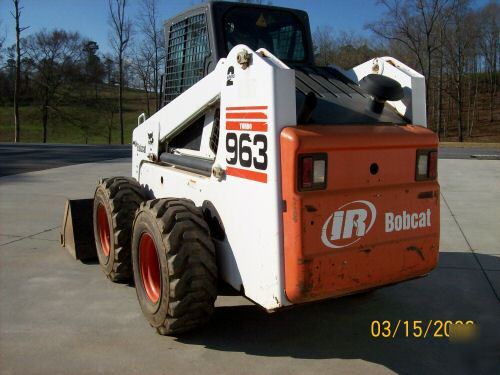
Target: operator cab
(199, 37)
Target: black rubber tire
(188, 270)
(121, 198)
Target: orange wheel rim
(103, 229)
(149, 267)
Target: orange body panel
(364, 230)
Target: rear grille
(339, 100)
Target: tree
(143, 67)
(151, 27)
(460, 39)
(324, 45)
(7, 71)
(2, 41)
(352, 50)
(120, 37)
(54, 58)
(17, 82)
(109, 69)
(345, 50)
(93, 69)
(490, 46)
(414, 24)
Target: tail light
(426, 165)
(433, 161)
(312, 172)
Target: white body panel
(251, 255)
(412, 106)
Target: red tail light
(307, 173)
(433, 157)
(426, 165)
(312, 172)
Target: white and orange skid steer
(288, 181)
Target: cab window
(279, 32)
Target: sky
(90, 17)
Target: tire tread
(192, 269)
(125, 196)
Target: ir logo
(348, 224)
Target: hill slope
(78, 120)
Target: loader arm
(175, 117)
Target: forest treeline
(455, 47)
(453, 44)
(60, 72)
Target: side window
(214, 136)
(288, 42)
(189, 138)
(186, 53)
(281, 32)
(200, 138)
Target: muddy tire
(116, 201)
(175, 272)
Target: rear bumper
(332, 275)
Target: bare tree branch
(121, 33)
(151, 28)
(17, 82)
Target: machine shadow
(341, 328)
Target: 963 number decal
(240, 150)
(246, 142)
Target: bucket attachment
(77, 230)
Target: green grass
(77, 122)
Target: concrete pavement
(469, 152)
(28, 157)
(61, 316)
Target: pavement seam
(457, 268)
(63, 165)
(30, 236)
(470, 247)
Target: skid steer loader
(289, 181)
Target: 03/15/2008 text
(451, 329)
